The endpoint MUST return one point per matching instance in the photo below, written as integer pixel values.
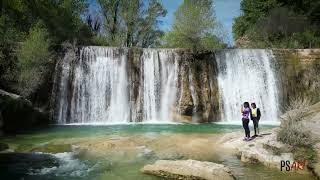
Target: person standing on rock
(255, 115)
(245, 110)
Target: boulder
(18, 114)
(257, 153)
(188, 169)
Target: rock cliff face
(311, 123)
(298, 74)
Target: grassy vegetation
(305, 153)
(292, 131)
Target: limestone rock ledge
(255, 151)
(261, 151)
(188, 169)
(265, 150)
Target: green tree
(61, 19)
(253, 11)
(278, 23)
(132, 23)
(194, 27)
(33, 59)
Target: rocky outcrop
(188, 169)
(18, 114)
(260, 150)
(311, 123)
(269, 151)
(243, 42)
(297, 73)
(198, 95)
(264, 150)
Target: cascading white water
(151, 80)
(160, 74)
(247, 75)
(97, 84)
(62, 90)
(94, 87)
(102, 85)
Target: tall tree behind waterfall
(132, 23)
(111, 12)
(194, 27)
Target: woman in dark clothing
(255, 115)
(245, 110)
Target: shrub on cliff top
(298, 105)
(291, 133)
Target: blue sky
(226, 11)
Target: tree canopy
(133, 23)
(194, 27)
(32, 32)
(279, 23)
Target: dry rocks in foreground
(188, 169)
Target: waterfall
(247, 75)
(106, 85)
(94, 87)
(160, 73)
(151, 86)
